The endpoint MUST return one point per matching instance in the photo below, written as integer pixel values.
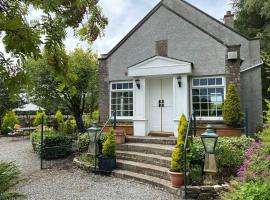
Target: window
(122, 99)
(208, 96)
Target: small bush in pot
(107, 161)
(177, 163)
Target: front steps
(146, 159)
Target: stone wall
(232, 68)
(205, 192)
(104, 96)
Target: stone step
(152, 140)
(154, 181)
(161, 134)
(157, 149)
(142, 168)
(144, 158)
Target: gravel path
(70, 183)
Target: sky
(123, 15)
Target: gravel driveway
(70, 183)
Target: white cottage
(176, 60)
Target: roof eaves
(219, 21)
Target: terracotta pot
(120, 136)
(177, 179)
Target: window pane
(204, 113)
(204, 106)
(195, 99)
(130, 86)
(203, 98)
(203, 91)
(196, 106)
(119, 86)
(219, 113)
(211, 91)
(195, 91)
(203, 81)
(113, 86)
(220, 91)
(218, 81)
(113, 94)
(212, 106)
(212, 113)
(196, 82)
(125, 86)
(211, 81)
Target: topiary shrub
(9, 121)
(109, 145)
(59, 117)
(177, 164)
(38, 118)
(231, 112)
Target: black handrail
(191, 122)
(97, 135)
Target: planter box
(221, 129)
(106, 164)
(127, 127)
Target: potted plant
(177, 162)
(107, 161)
(120, 136)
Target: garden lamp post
(209, 139)
(92, 149)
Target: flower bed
(253, 180)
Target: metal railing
(190, 132)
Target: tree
(22, 39)
(76, 83)
(231, 112)
(253, 20)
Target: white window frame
(111, 90)
(207, 86)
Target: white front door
(161, 105)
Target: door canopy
(159, 65)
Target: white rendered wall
(140, 108)
(180, 100)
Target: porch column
(140, 120)
(180, 100)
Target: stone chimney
(229, 19)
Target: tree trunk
(79, 122)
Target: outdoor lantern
(179, 78)
(209, 140)
(137, 81)
(92, 148)
(92, 132)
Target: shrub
(109, 145)
(9, 122)
(68, 127)
(267, 113)
(87, 121)
(55, 145)
(84, 140)
(255, 190)
(177, 154)
(230, 153)
(95, 115)
(231, 109)
(59, 117)
(9, 177)
(89, 159)
(38, 118)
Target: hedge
(55, 146)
